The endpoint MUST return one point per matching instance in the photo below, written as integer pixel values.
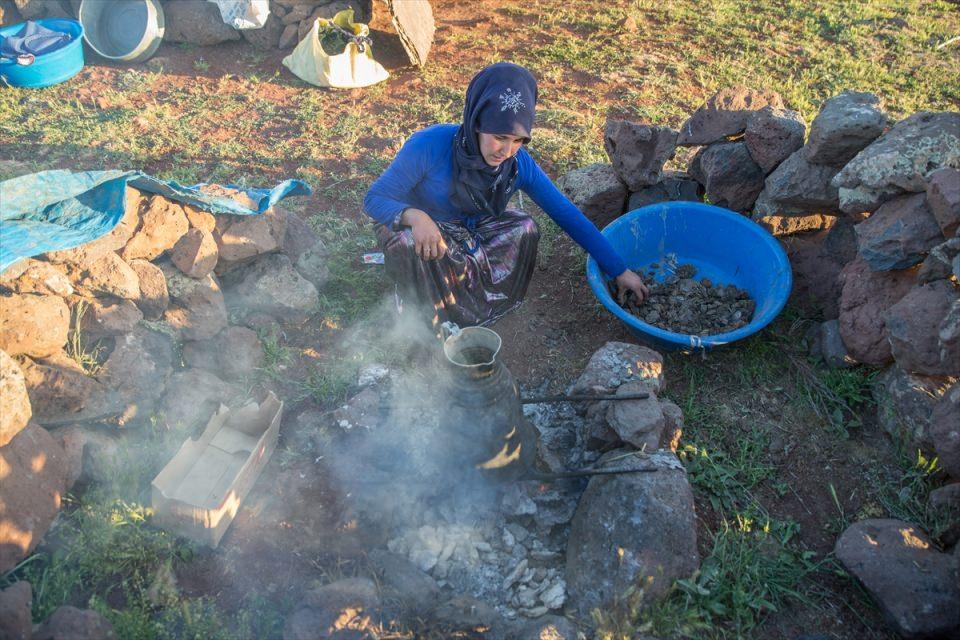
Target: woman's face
(497, 147)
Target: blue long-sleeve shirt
(421, 175)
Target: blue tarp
(54, 210)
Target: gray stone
(798, 187)
(943, 198)
(400, 579)
(730, 176)
(271, 285)
(70, 623)
(103, 318)
(913, 326)
(266, 37)
(197, 22)
(938, 265)
(772, 135)
(898, 234)
(466, 614)
(916, 587)
(900, 160)
(107, 275)
(154, 298)
(949, 332)
(324, 611)
(36, 325)
(616, 363)
(138, 369)
(639, 423)
(313, 265)
(638, 151)
(193, 395)
(597, 191)
(631, 529)
(947, 497)
(905, 404)
(832, 349)
(945, 431)
(726, 113)
(547, 628)
(197, 307)
(865, 297)
(235, 352)
(59, 389)
(15, 410)
(673, 186)
(846, 124)
(816, 273)
(243, 238)
(30, 492)
(16, 622)
(299, 237)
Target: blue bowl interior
(50, 68)
(724, 246)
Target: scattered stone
(846, 124)
(102, 318)
(93, 455)
(16, 621)
(629, 530)
(34, 479)
(15, 410)
(639, 423)
(916, 587)
(787, 225)
(912, 329)
(832, 349)
(70, 623)
(400, 578)
(195, 254)
(235, 352)
(597, 191)
(346, 604)
(246, 237)
(271, 285)
(673, 186)
(162, 222)
(138, 368)
(298, 238)
(730, 176)
(898, 234)
(107, 275)
(193, 395)
(943, 198)
(945, 432)
(33, 325)
(797, 187)
(267, 36)
(938, 265)
(154, 298)
(35, 276)
(196, 22)
(616, 363)
(638, 151)
(865, 298)
(772, 135)
(371, 374)
(59, 390)
(726, 113)
(900, 160)
(312, 265)
(198, 310)
(905, 404)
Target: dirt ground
(293, 530)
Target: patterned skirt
(483, 275)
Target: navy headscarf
(500, 100)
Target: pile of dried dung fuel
(683, 305)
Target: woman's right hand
(427, 239)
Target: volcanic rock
(865, 297)
(196, 22)
(832, 349)
(33, 325)
(154, 298)
(235, 352)
(195, 254)
(289, 37)
(15, 410)
(16, 621)
(70, 623)
(103, 318)
(193, 395)
(35, 276)
(779, 226)
(938, 265)
(597, 191)
(466, 614)
(547, 628)
(772, 135)
(616, 363)
(899, 234)
(93, 455)
(905, 404)
(945, 430)
(298, 238)
(162, 223)
(327, 610)
(673, 428)
(916, 587)
(34, 474)
(138, 368)
(796, 186)
(200, 219)
(402, 580)
(271, 285)
(943, 198)
(639, 423)
(198, 310)
(267, 36)
(113, 241)
(246, 237)
(631, 529)
(846, 124)
(815, 273)
(673, 185)
(730, 176)
(900, 160)
(313, 265)
(107, 275)
(726, 113)
(913, 330)
(59, 389)
(638, 151)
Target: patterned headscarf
(500, 99)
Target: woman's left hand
(630, 281)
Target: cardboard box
(199, 492)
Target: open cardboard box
(199, 492)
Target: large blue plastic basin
(723, 246)
(49, 68)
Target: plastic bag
(244, 14)
(354, 67)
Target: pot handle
(448, 330)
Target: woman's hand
(629, 281)
(428, 242)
